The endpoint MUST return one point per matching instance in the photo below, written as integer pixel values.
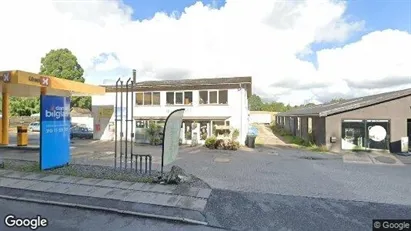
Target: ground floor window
(204, 130)
(215, 124)
(188, 129)
(370, 134)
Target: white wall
(236, 110)
(106, 130)
(262, 118)
(88, 121)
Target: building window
(223, 97)
(188, 130)
(310, 125)
(178, 98)
(203, 97)
(148, 98)
(213, 97)
(353, 134)
(203, 130)
(227, 123)
(188, 98)
(170, 98)
(215, 124)
(298, 123)
(139, 98)
(156, 98)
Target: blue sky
(374, 12)
(145, 9)
(377, 14)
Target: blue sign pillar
(55, 124)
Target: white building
(207, 102)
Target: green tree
(337, 100)
(24, 106)
(62, 63)
(255, 103)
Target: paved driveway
(280, 170)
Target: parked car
(34, 127)
(81, 133)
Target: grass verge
(298, 142)
(85, 171)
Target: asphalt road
(71, 219)
(282, 171)
(259, 211)
(290, 172)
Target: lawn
(296, 141)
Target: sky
(297, 51)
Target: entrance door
(140, 131)
(378, 133)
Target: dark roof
(205, 81)
(347, 105)
(188, 83)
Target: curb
(23, 148)
(100, 208)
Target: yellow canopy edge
(26, 84)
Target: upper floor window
(213, 97)
(179, 98)
(148, 98)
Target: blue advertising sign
(54, 131)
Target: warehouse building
(375, 122)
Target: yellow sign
(105, 112)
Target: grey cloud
(292, 84)
(171, 74)
(284, 15)
(383, 83)
(325, 97)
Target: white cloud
(259, 38)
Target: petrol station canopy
(25, 84)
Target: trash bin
(251, 136)
(251, 141)
(22, 137)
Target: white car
(34, 127)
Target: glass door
(378, 133)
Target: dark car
(81, 133)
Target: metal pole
(127, 107)
(241, 114)
(121, 125)
(115, 126)
(132, 120)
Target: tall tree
(337, 100)
(62, 63)
(255, 103)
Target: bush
(232, 145)
(153, 133)
(210, 142)
(219, 144)
(236, 134)
(214, 143)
